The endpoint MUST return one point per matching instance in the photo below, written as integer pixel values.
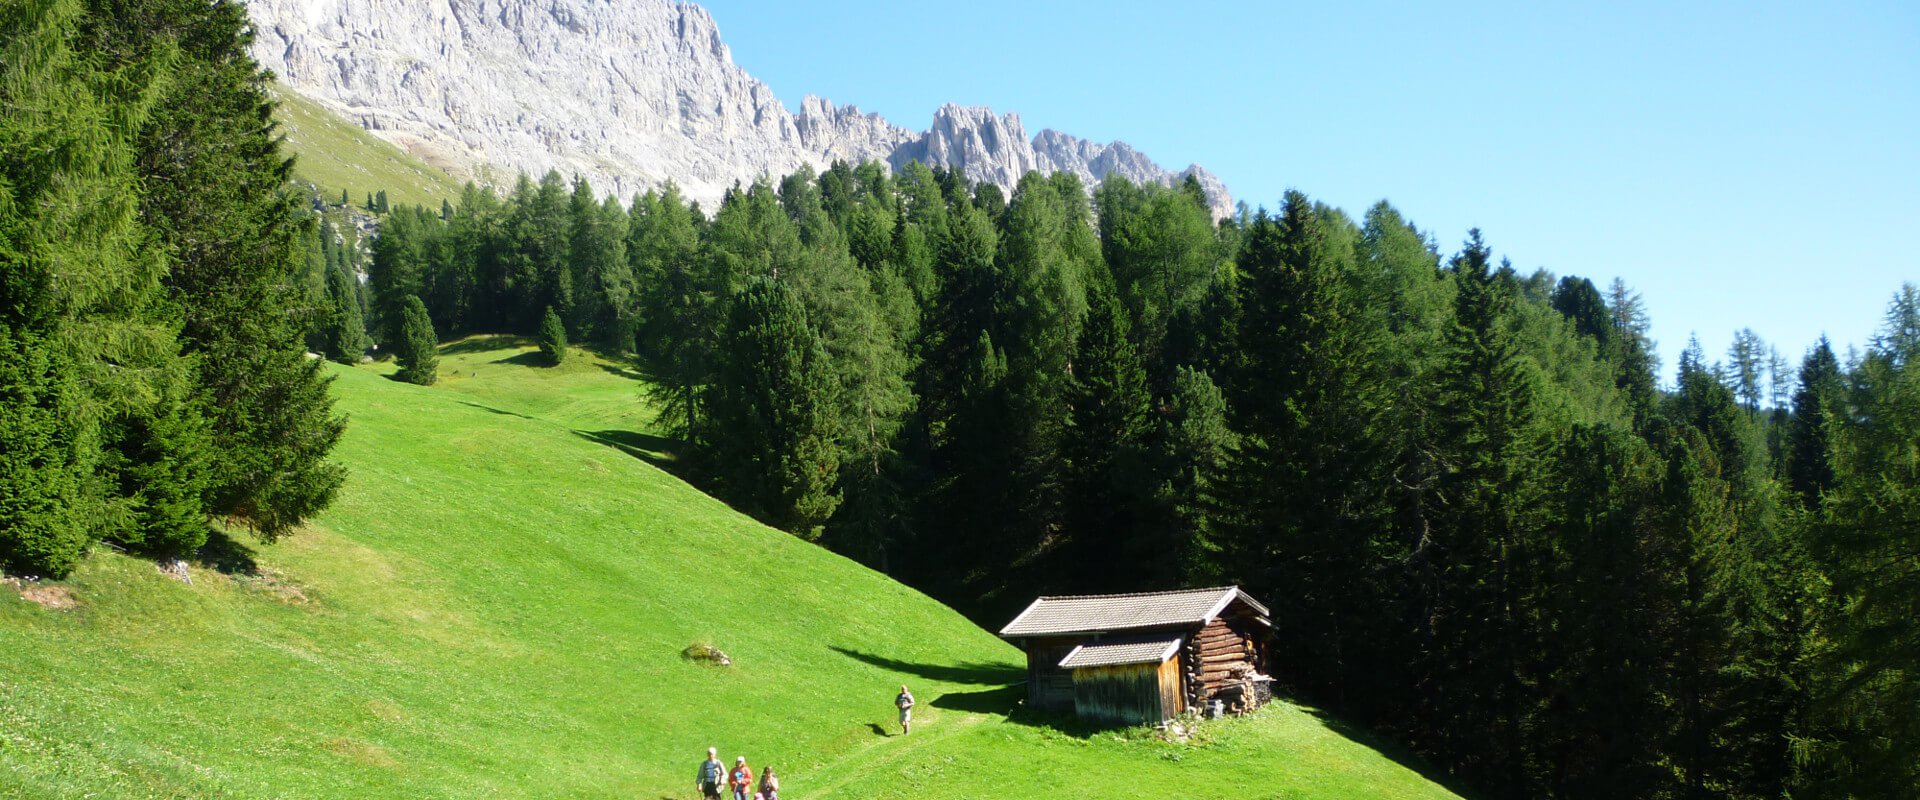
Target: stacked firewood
(1237, 693)
(1220, 666)
(1196, 690)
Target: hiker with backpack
(710, 774)
(741, 779)
(905, 703)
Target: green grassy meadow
(496, 606)
(335, 154)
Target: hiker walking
(711, 773)
(905, 703)
(769, 784)
(741, 779)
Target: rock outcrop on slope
(627, 93)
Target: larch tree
(212, 179)
(771, 396)
(1866, 540)
(675, 306)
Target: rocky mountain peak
(626, 93)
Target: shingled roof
(1099, 613)
(1118, 652)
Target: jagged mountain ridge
(627, 93)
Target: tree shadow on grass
(226, 555)
(656, 450)
(622, 371)
(490, 409)
(1005, 698)
(531, 358)
(975, 673)
(485, 344)
(1002, 701)
(1392, 750)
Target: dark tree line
(152, 374)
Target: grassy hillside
(496, 606)
(335, 154)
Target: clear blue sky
(1740, 164)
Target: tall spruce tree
(463, 296)
(345, 337)
(1487, 441)
(1741, 599)
(601, 277)
(1107, 545)
(960, 380)
(864, 317)
(536, 244)
(1301, 497)
(1635, 364)
(1809, 470)
(418, 347)
(553, 338)
(401, 267)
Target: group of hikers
(739, 781)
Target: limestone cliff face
(628, 93)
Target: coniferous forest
(1485, 525)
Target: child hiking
(769, 785)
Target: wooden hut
(1125, 659)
